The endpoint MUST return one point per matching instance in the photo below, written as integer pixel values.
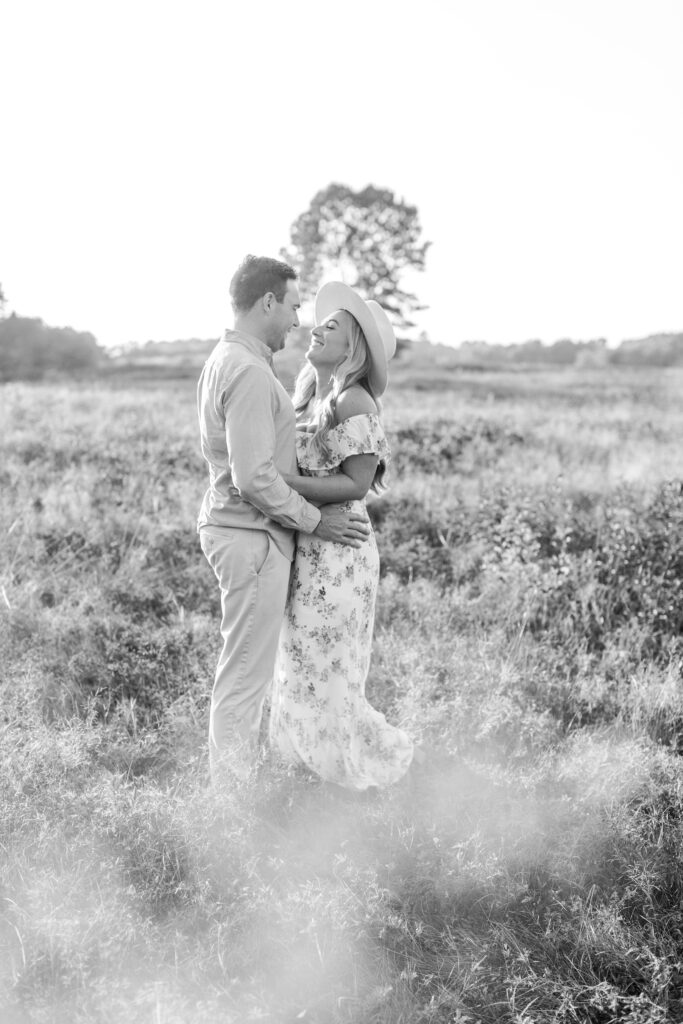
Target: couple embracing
(284, 528)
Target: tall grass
(528, 632)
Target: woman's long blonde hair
(354, 368)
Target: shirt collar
(249, 341)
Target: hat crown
(384, 326)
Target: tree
(655, 350)
(367, 238)
(31, 350)
(3, 300)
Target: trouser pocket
(261, 551)
(236, 556)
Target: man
(249, 514)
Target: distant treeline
(31, 350)
(655, 350)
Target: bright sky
(147, 145)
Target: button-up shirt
(248, 429)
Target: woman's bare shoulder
(354, 401)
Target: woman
(319, 714)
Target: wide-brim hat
(374, 324)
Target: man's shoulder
(230, 359)
(229, 375)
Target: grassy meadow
(529, 632)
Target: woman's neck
(309, 412)
(323, 384)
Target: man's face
(284, 316)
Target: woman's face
(330, 340)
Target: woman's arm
(354, 481)
(357, 472)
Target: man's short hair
(255, 277)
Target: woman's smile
(330, 339)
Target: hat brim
(373, 321)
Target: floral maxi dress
(319, 713)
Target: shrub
(412, 540)
(629, 572)
(436, 447)
(151, 667)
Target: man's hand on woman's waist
(342, 527)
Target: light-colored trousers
(253, 575)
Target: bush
(412, 540)
(627, 571)
(151, 667)
(438, 446)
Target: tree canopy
(30, 349)
(367, 238)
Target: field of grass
(529, 632)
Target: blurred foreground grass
(529, 631)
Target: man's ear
(268, 301)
